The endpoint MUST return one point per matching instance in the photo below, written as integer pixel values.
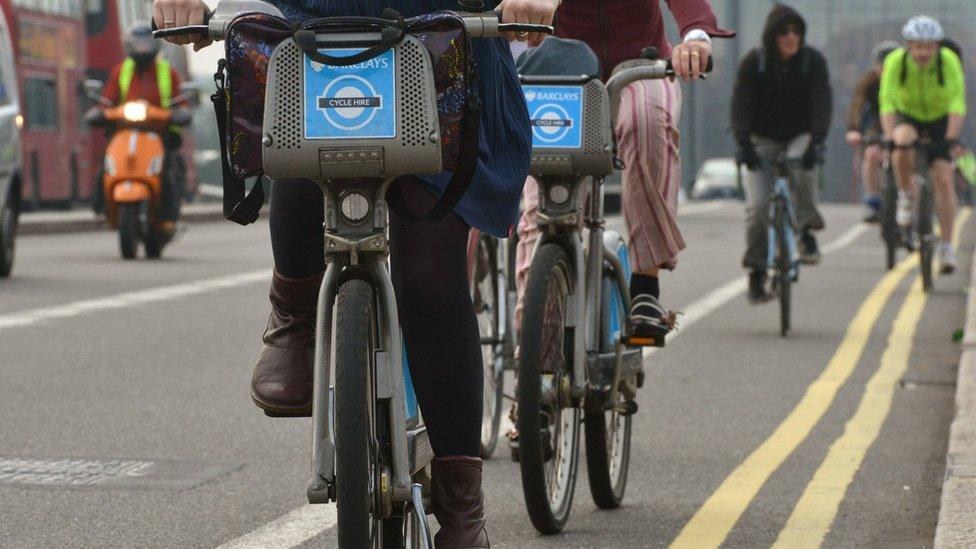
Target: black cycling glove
(747, 155)
(813, 155)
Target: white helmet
(922, 28)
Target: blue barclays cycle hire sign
(352, 102)
(556, 115)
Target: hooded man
(781, 102)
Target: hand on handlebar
(690, 59)
(539, 12)
(180, 13)
(853, 138)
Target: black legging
(429, 269)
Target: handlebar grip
(183, 31)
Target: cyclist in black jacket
(781, 101)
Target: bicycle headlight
(354, 207)
(558, 194)
(135, 111)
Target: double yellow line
(815, 512)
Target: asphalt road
(742, 437)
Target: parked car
(11, 122)
(717, 178)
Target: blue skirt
(491, 203)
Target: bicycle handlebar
(478, 25)
(631, 71)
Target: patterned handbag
(241, 77)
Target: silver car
(10, 157)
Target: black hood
(780, 16)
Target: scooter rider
(144, 75)
(781, 102)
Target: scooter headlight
(110, 165)
(135, 111)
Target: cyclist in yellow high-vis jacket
(923, 91)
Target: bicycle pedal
(645, 341)
(626, 408)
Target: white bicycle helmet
(881, 50)
(922, 28)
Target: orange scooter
(133, 170)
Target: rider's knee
(904, 134)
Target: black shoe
(809, 251)
(757, 287)
(648, 321)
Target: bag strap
(464, 171)
(238, 208)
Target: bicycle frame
(781, 190)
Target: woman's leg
(440, 331)
(648, 142)
(282, 381)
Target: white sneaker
(947, 259)
(903, 213)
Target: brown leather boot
(458, 503)
(282, 382)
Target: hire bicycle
(576, 364)
(370, 450)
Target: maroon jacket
(617, 30)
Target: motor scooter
(133, 170)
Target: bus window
(41, 103)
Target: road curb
(84, 220)
(957, 519)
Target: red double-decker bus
(48, 38)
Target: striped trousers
(647, 142)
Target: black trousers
(429, 271)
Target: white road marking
(308, 521)
(130, 299)
(289, 530)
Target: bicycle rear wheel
(784, 264)
(486, 299)
(889, 225)
(548, 424)
(926, 244)
(608, 432)
(358, 463)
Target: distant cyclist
(781, 103)
(923, 91)
(864, 119)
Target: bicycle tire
(485, 295)
(608, 457)
(783, 266)
(358, 526)
(549, 285)
(925, 240)
(889, 224)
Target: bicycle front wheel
(548, 424)
(784, 264)
(926, 243)
(358, 464)
(608, 432)
(486, 298)
(889, 225)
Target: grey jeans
(758, 185)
